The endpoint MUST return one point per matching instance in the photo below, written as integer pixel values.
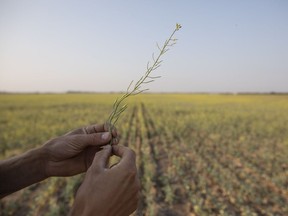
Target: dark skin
(116, 188)
(71, 154)
(75, 150)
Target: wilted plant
(136, 88)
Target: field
(196, 154)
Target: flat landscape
(197, 154)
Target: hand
(109, 191)
(73, 153)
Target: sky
(223, 45)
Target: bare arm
(66, 155)
(22, 171)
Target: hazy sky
(83, 45)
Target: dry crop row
(196, 154)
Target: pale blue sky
(224, 46)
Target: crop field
(196, 154)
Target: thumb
(101, 159)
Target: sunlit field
(196, 154)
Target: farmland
(196, 154)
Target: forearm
(21, 171)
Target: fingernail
(105, 135)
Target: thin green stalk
(118, 106)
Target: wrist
(21, 171)
(39, 155)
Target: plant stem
(118, 108)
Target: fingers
(90, 154)
(92, 129)
(96, 128)
(100, 128)
(101, 159)
(110, 127)
(128, 158)
(95, 139)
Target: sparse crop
(196, 154)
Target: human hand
(109, 191)
(73, 152)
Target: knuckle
(85, 130)
(132, 154)
(95, 138)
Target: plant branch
(118, 108)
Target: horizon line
(155, 92)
